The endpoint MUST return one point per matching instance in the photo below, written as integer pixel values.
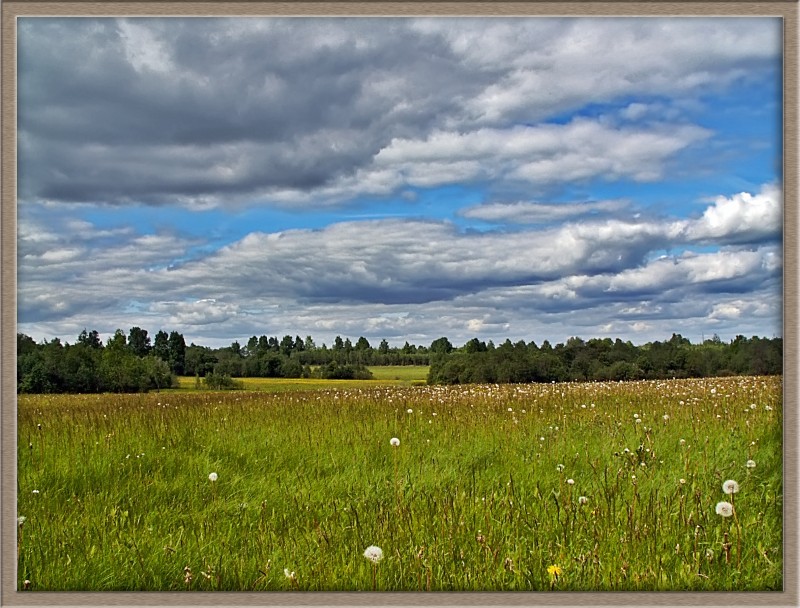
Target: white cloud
(743, 216)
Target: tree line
(604, 359)
(133, 363)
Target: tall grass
(116, 491)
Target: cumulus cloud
(396, 275)
(213, 112)
(743, 217)
(375, 118)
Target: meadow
(383, 375)
(576, 486)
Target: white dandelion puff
(730, 487)
(373, 554)
(21, 520)
(213, 477)
(560, 467)
(724, 508)
(582, 500)
(571, 482)
(750, 464)
(394, 441)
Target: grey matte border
(787, 9)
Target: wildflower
(26, 584)
(636, 415)
(373, 554)
(665, 417)
(37, 491)
(713, 391)
(21, 520)
(554, 572)
(571, 482)
(582, 500)
(682, 481)
(212, 476)
(725, 509)
(560, 467)
(289, 575)
(750, 464)
(409, 411)
(682, 442)
(730, 487)
(394, 441)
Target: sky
(402, 179)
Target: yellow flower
(554, 571)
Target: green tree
(177, 353)
(139, 341)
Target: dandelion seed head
(750, 464)
(373, 554)
(213, 476)
(724, 508)
(571, 482)
(582, 500)
(394, 441)
(409, 411)
(21, 520)
(730, 487)
(559, 467)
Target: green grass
(402, 373)
(472, 499)
(383, 375)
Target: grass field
(383, 375)
(596, 486)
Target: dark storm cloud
(219, 111)
(218, 106)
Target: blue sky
(401, 179)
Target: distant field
(402, 373)
(385, 375)
(575, 486)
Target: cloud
(397, 277)
(539, 213)
(741, 218)
(226, 112)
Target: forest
(133, 363)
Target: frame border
(785, 9)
